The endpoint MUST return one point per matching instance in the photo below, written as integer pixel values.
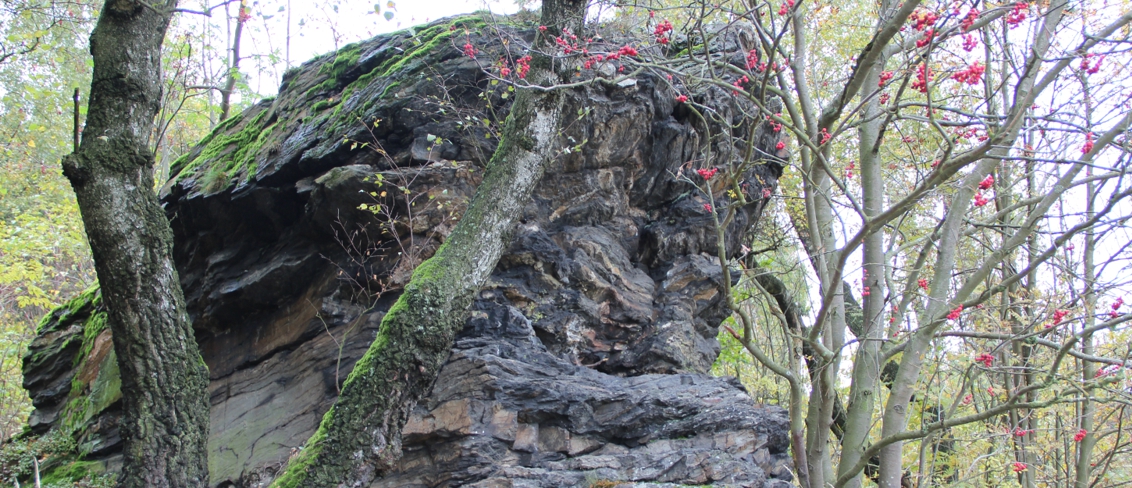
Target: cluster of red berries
(662, 30)
(775, 126)
(923, 77)
(1088, 147)
(244, 15)
(923, 19)
(963, 133)
(972, 75)
(955, 312)
(884, 77)
(969, 20)
(740, 82)
(985, 358)
(1107, 370)
(1017, 15)
(987, 182)
(927, 39)
(786, 6)
(753, 60)
(970, 42)
(1094, 67)
(707, 173)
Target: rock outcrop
(584, 361)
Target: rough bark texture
(584, 359)
(163, 379)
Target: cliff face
(584, 360)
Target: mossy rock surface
(72, 375)
(329, 103)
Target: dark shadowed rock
(585, 359)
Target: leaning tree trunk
(360, 437)
(164, 381)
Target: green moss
(371, 371)
(91, 297)
(416, 48)
(298, 469)
(324, 104)
(87, 401)
(421, 44)
(229, 154)
(344, 59)
(75, 471)
(92, 327)
(226, 155)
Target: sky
(321, 27)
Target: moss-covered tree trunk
(360, 437)
(164, 382)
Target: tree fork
(164, 381)
(359, 438)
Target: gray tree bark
(360, 437)
(164, 381)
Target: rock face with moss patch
(298, 222)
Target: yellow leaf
(31, 143)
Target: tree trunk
(164, 381)
(863, 389)
(360, 437)
(233, 65)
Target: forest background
(216, 64)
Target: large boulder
(586, 358)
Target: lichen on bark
(163, 382)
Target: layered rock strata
(584, 361)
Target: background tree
(44, 258)
(948, 163)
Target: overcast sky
(323, 29)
